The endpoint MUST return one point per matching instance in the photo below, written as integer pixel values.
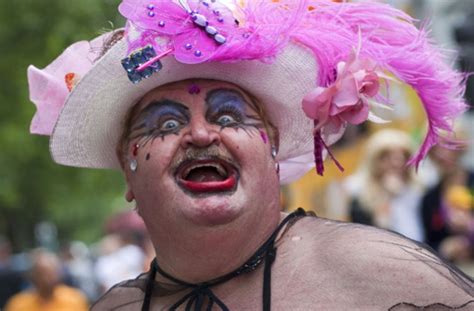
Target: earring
(133, 162)
(274, 152)
(133, 165)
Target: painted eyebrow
(166, 103)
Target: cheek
(248, 148)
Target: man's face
(203, 155)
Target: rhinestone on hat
(136, 59)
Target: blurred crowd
(434, 205)
(73, 277)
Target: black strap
(150, 284)
(267, 279)
(196, 297)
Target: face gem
(194, 89)
(274, 152)
(135, 149)
(264, 136)
(133, 165)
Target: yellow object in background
(460, 197)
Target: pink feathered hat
(315, 65)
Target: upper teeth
(220, 169)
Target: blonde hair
(372, 194)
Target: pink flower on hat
(49, 87)
(347, 99)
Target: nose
(200, 134)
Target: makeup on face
(160, 118)
(194, 89)
(228, 108)
(223, 107)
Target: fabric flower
(49, 87)
(347, 99)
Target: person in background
(47, 294)
(12, 280)
(447, 208)
(388, 191)
(120, 259)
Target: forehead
(180, 91)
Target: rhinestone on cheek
(135, 149)
(197, 53)
(161, 24)
(188, 46)
(151, 14)
(133, 165)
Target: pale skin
(320, 264)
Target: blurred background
(80, 216)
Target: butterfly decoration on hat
(195, 29)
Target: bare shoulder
(376, 265)
(127, 295)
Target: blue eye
(226, 120)
(170, 125)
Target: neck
(197, 254)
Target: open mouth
(207, 176)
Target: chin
(212, 210)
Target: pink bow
(49, 87)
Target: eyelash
(230, 110)
(157, 131)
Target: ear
(129, 196)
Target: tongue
(204, 174)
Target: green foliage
(32, 187)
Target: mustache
(210, 153)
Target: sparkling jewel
(220, 19)
(161, 24)
(133, 165)
(151, 13)
(135, 149)
(200, 20)
(150, 7)
(197, 53)
(194, 89)
(220, 39)
(211, 30)
(274, 152)
(135, 60)
(188, 46)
